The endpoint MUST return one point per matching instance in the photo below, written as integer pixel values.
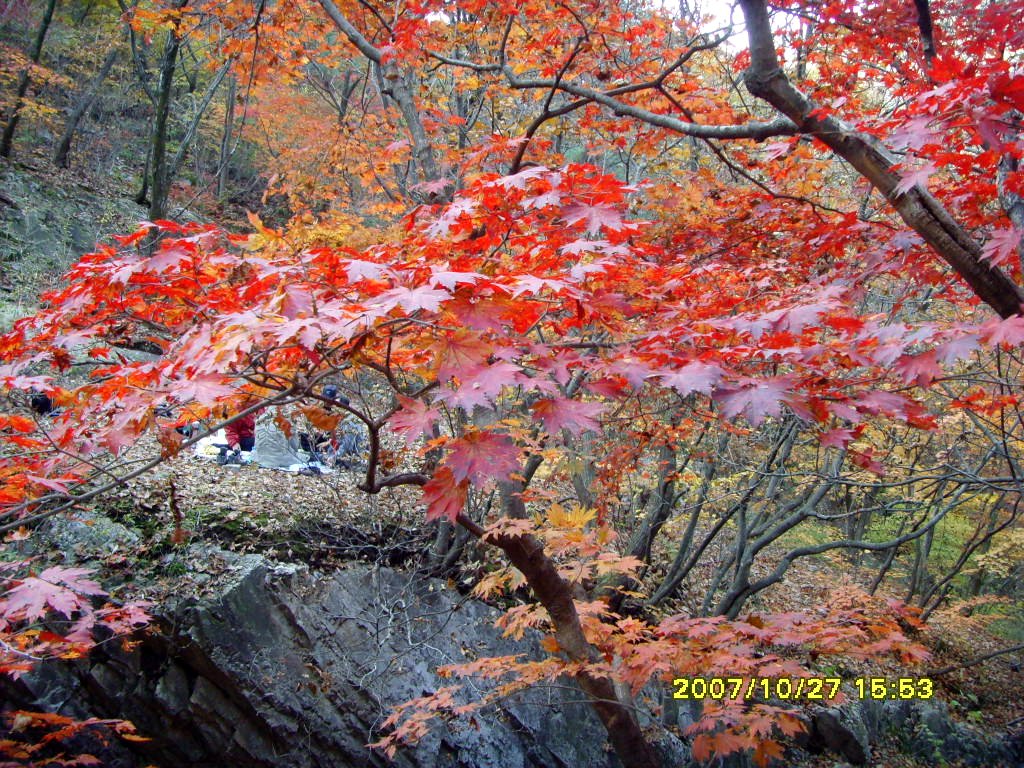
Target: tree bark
(916, 206)
(7, 141)
(225, 141)
(556, 595)
(160, 179)
(62, 156)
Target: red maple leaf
(481, 456)
(866, 460)
(837, 438)
(443, 496)
(459, 351)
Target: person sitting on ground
(350, 438)
(41, 403)
(273, 448)
(241, 433)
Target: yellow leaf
(576, 517)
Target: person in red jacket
(241, 433)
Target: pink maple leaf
(296, 301)
(543, 200)
(462, 206)
(755, 401)
(170, 254)
(1002, 246)
(435, 187)
(449, 280)
(481, 456)
(920, 369)
(60, 589)
(1009, 331)
(886, 403)
(594, 217)
(562, 413)
(412, 299)
(415, 418)
(204, 390)
(635, 371)
(695, 376)
(357, 270)
(915, 177)
(534, 285)
(521, 179)
(916, 133)
(956, 349)
(577, 247)
(481, 383)
(776, 149)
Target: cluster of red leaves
(51, 615)
(37, 738)
(533, 284)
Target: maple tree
(533, 325)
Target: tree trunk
(225, 142)
(160, 179)
(7, 141)
(85, 101)
(396, 86)
(556, 595)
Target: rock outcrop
(278, 666)
(259, 663)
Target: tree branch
(916, 206)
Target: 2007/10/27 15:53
(800, 688)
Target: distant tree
(35, 52)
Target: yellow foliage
(576, 517)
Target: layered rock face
(281, 667)
(269, 664)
